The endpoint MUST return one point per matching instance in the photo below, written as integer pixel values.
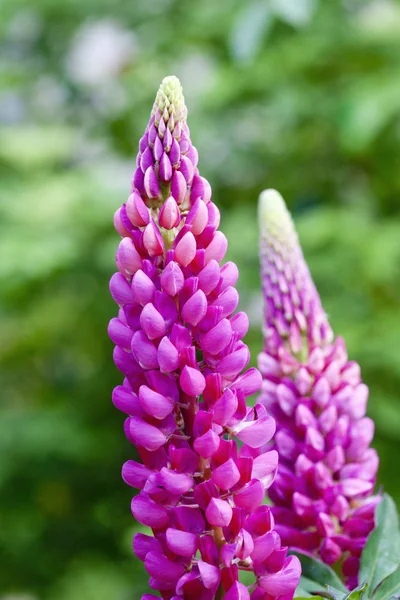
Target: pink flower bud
(137, 211)
(169, 216)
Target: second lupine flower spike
(327, 470)
(179, 345)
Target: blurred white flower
(379, 16)
(99, 52)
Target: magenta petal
(206, 445)
(169, 215)
(210, 575)
(144, 351)
(228, 301)
(172, 279)
(178, 187)
(155, 405)
(158, 566)
(217, 338)
(145, 435)
(195, 308)
(249, 382)
(285, 581)
(237, 592)
(209, 277)
(258, 433)
(264, 545)
(192, 381)
(197, 217)
(128, 257)
(167, 355)
(219, 512)
(228, 553)
(148, 512)
(153, 240)
(176, 483)
(152, 322)
(137, 211)
(119, 333)
(217, 248)
(151, 183)
(226, 475)
(135, 474)
(240, 325)
(185, 250)
(188, 519)
(231, 365)
(182, 543)
(264, 466)
(143, 288)
(355, 487)
(142, 544)
(250, 496)
(225, 407)
(120, 289)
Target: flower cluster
(179, 346)
(322, 492)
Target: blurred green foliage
(301, 95)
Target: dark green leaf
(318, 572)
(381, 555)
(390, 587)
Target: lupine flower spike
(327, 470)
(179, 345)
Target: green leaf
(390, 587)
(357, 593)
(319, 573)
(381, 555)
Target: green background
(299, 95)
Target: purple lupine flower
(322, 492)
(179, 345)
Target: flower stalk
(327, 471)
(204, 461)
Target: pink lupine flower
(322, 492)
(179, 344)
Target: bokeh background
(301, 95)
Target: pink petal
(145, 435)
(195, 308)
(144, 351)
(251, 496)
(167, 355)
(206, 445)
(155, 404)
(176, 483)
(142, 544)
(158, 566)
(217, 338)
(148, 512)
(152, 322)
(219, 512)
(120, 289)
(172, 279)
(210, 575)
(183, 543)
(143, 288)
(192, 381)
(217, 248)
(258, 432)
(226, 475)
(185, 250)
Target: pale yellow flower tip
(275, 221)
